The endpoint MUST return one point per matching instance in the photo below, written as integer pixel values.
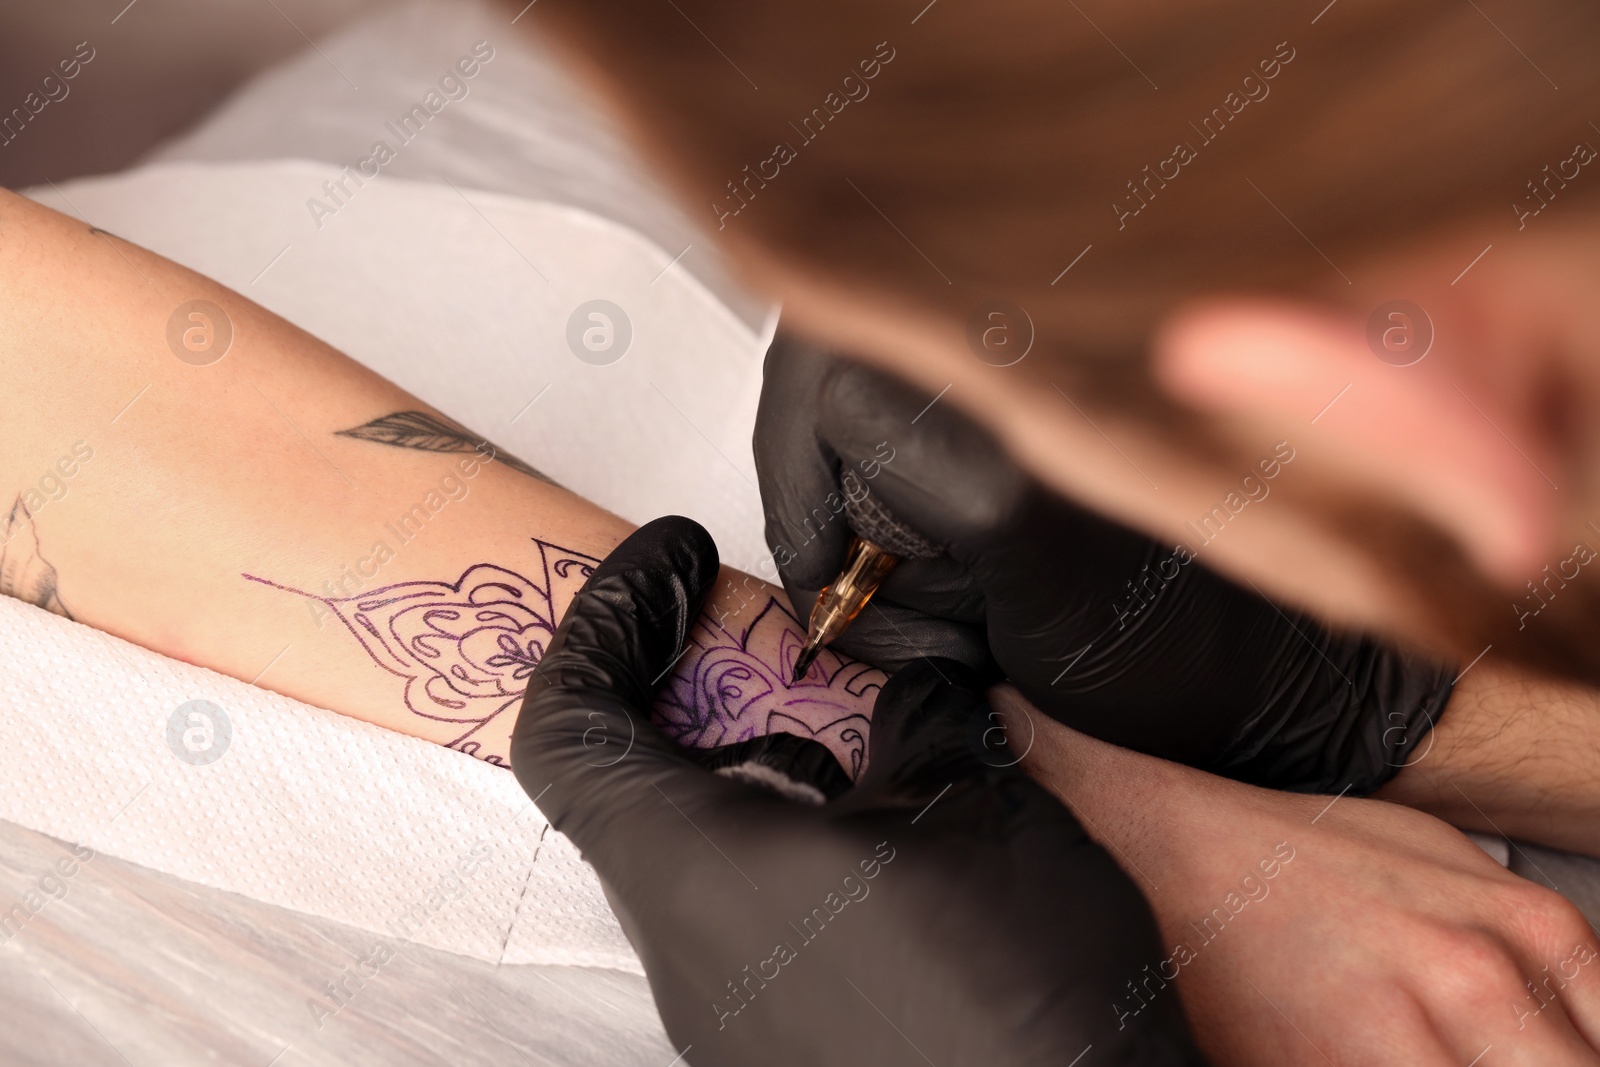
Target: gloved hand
(944, 909)
(1101, 627)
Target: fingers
(1520, 986)
(891, 634)
(1581, 995)
(927, 607)
(583, 745)
(798, 473)
(1555, 971)
(939, 472)
(1502, 1022)
(927, 728)
(1018, 870)
(938, 745)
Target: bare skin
(151, 538)
(1314, 930)
(283, 515)
(1513, 755)
(215, 512)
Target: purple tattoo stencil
(467, 648)
(720, 692)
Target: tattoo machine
(878, 542)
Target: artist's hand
(942, 910)
(1305, 930)
(1111, 632)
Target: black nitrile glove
(1108, 631)
(943, 908)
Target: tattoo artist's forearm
(1512, 754)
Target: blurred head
(1195, 220)
(454, 87)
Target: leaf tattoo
(422, 432)
(24, 572)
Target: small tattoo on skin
(24, 572)
(422, 432)
(466, 650)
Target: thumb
(937, 470)
(583, 746)
(919, 467)
(927, 606)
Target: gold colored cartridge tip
(866, 566)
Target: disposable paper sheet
(303, 808)
(464, 298)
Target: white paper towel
(437, 289)
(304, 808)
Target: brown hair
(1004, 137)
(943, 156)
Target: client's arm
(208, 481)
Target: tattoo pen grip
(880, 541)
